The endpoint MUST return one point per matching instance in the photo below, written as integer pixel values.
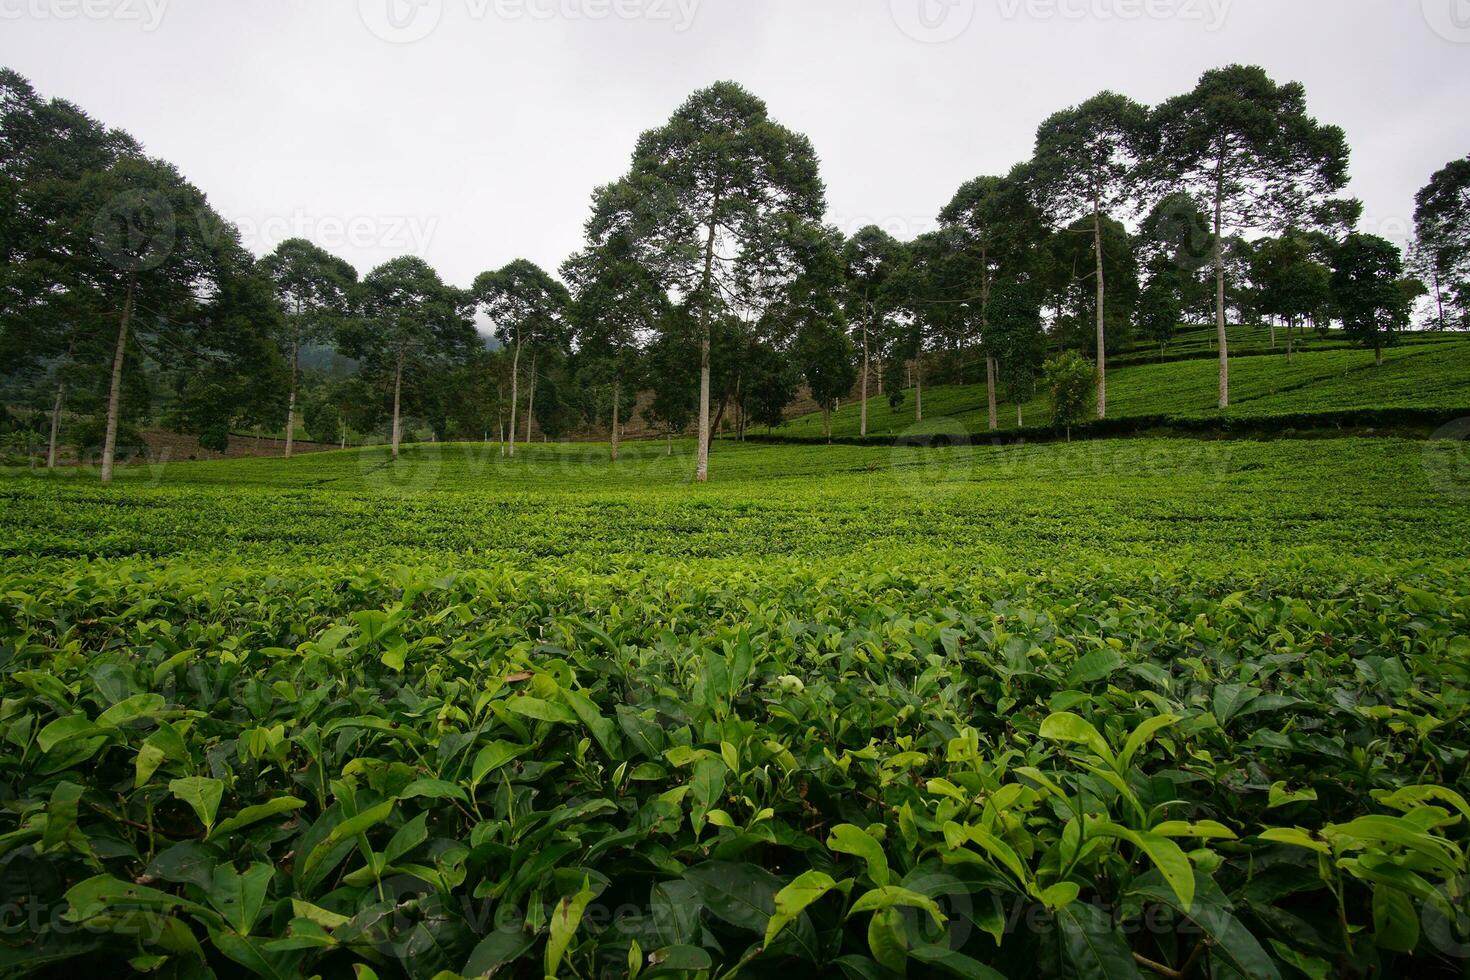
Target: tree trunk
(918, 391)
(55, 425)
(531, 400)
(616, 391)
(1220, 289)
(827, 423)
(515, 384)
(114, 395)
(880, 377)
(720, 413)
(397, 406)
(291, 401)
(671, 445)
(1102, 353)
(1378, 357)
(1273, 334)
(1020, 417)
(990, 373)
(863, 424)
(701, 470)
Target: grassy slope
(1418, 375)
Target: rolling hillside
(1431, 374)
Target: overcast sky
(472, 132)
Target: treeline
(709, 283)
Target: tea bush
(1146, 709)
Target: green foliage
(907, 759)
(1368, 291)
(1070, 381)
(323, 420)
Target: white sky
(481, 141)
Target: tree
(145, 250)
(1069, 380)
(823, 347)
(528, 308)
(1017, 339)
(1442, 240)
(1085, 166)
(1072, 249)
(1290, 283)
(937, 272)
(874, 261)
(412, 323)
(618, 307)
(230, 371)
(706, 205)
(996, 230)
(315, 290)
(768, 383)
(1247, 147)
(1160, 307)
(1369, 291)
(666, 373)
(47, 322)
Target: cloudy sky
(472, 132)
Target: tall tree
(705, 204)
(874, 261)
(1247, 147)
(146, 249)
(411, 324)
(48, 318)
(1085, 166)
(1369, 291)
(1072, 249)
(618, 307)
(528, 308)
(995, 230)
(315, 290)
(1442, 240)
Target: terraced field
(1136, 708)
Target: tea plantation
(1137, 708)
